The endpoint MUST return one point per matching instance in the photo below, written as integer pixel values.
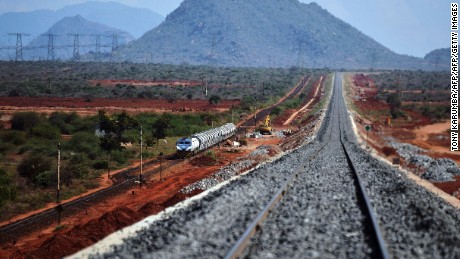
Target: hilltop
(279, 33)
(75, 25)
(134, 20)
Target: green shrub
(33, 165)
(98, 165)
(46, 131)
(119, 157)
(15, 137)
(7, 191)
(76, 166)
(276, 111)
(214, 99)
(24, 121)
(6, 147)
(84, 142)
(46, 179)
(64, 122)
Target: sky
(412, 27)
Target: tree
(214, 99)
(395, 105)
(24, 121)
(74, 168)
(7, 192)
(161, 126)
(33, 165)
(112, 129)
(46, 131)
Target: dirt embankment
(9, 105)
(99, 220)
(115, 82)
(415, 128)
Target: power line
(19, 56)
(373, 58)
(76, 45)
(51, 47)
(114, 35)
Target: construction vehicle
(266, 128)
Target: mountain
(440, 58)
(65, 30)
(136, 21)
(278, 33)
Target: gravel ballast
(319, 217)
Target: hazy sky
(413, 27)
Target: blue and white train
(204, 140)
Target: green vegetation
(29, 168)
(395, 105)
(416, 86)
(214, 99)
(27, 79)
(284, 33)
(424, 92)
(111, 134)
(29, 148)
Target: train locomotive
(204, 140)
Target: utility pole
(114, 36)
(19, 56)
(58, 173)
(51, 47)
(373, 59)
(140, 174)
(161, 166)
(98, 42)
(255, 116)
(399, 88)
(76, 45)
(299, 57)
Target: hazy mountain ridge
(75, 25)
(134, 20)
(439, 57)
(262, 33)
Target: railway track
(321, 215)
(254, 120)
(124, 181)
(355, 225)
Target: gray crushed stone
(434, 170)
(415, 223)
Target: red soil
(86, 228)
(115, 82)
(80, 105)
(418, 130)
(115, 213)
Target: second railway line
(331, 224)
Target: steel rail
(263, 113)
(376, 231)
(48, 216)
(245, 239)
